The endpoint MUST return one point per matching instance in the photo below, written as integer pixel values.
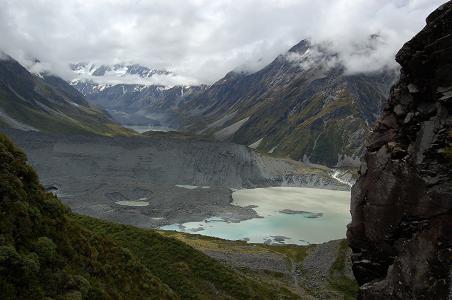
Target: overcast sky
(203, 39)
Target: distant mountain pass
(135, 104)
(135, 94)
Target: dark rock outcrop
(401, 230)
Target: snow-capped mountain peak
(134, 74)
(116, 70)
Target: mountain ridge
(48, 103)
(282, 108)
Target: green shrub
(46, 249)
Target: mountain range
(118, 70)
(134, 94)
(304, 105)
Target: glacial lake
(144, 128)
(288, 215)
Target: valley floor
(158, 180)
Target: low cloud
(201, 40)
(318, 55)
(167, 80)
(3, 56)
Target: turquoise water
(144, 128)
(287, 215)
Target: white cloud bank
(166, 80)
(201, 40)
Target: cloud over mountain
(201, 40)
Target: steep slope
(402, 203)
(188, 272)
(302, 106)
(47, 252)
(47, 103)
(44, 254)
(320, 271)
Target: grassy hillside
(189, 272)
(46, 252)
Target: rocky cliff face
(402, 203)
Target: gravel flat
(262, 261)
